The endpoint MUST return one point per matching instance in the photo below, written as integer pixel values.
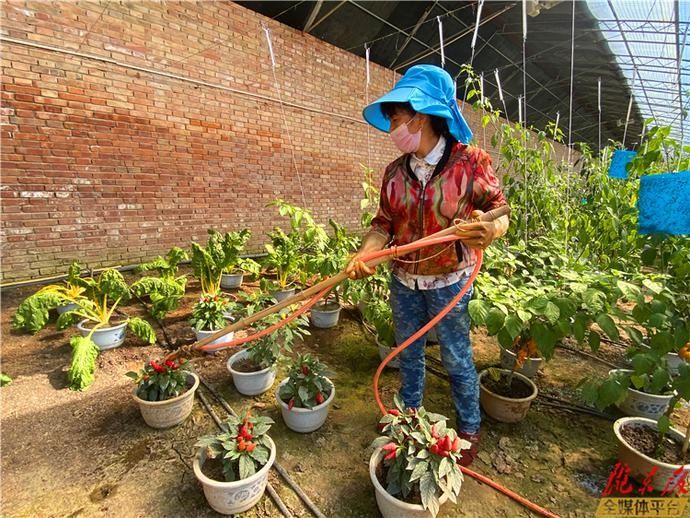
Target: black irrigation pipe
(591, 356)
(282, 471)
(281, 506)
(556, 402)
(168, 343)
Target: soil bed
(246, 365)
(518, 389)
(644, 439)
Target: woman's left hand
(478, 234)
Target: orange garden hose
(318, 291)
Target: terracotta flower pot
(640, 464)
(238, 496)
(506, 409)
(171, 412)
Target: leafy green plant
(307, 385)
(95, 302)
(268, 350)
(243, 446)
(160, 381)
(166, 290)
(33, 312)
(221, 254)
(284, 257)
(378, 314)
(208, 313)
(421, 456)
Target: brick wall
(147, 123)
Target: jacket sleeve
(383, 221)
(486, 189)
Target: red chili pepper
(456, 444)
(390, 447)
(319, 398)
(391, 455)
(241, 445)
(291, 403)
(170, 364)
(394, 411)
(156, 367)
(245, 433)
(251, 447)
(305, 370)
(446, 443)
(434, 448)
(434, 433)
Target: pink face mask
(405, 141)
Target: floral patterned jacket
(463, 181)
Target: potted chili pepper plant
(233, 465)
(305, 395)
(414, 467)
(164, 392)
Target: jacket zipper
(420, 218)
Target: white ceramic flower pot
(280, 296)
(67, 307)
(238, 496)
(505, 409)
(389, 506)
(171, 412)
(305, 420)
(104, 337)
(529, 367)
(200, 335)
(639, 463)
(231, 281)
(323, 317)
(250, 383)
(384, 351)
(673, 362)
(640, 404)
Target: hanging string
(366, 103)
(570, 128)
(500, 95)
(481, 99)
(473, 44)
(599, 109)
(630, 102)
(440, 39)
(524, 58)
(267, 32)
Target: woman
(438, 178)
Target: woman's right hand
(357, 268)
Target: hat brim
(422, 103)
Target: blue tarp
(621, 158)
(664, 204)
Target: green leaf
(513, 326)
(594, 341)
(580, 327)
(247, 468)
(478, 309)
(142, 329)
(419, 470)
(652, 286)
(664, 424)
(634, 334)
(261, 455)
(494, 320)
(4, 379)
(551, 312)
(66, 320)
(81, 373)
(608, 326)
(630, 291)
(546, 340)
(427, 488)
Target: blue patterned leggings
(411, 310)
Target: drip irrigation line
(281, 471)
(276, 499)
(168, 342)
(569, 405)
(591, 356)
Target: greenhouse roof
(611, 38)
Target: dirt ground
(67, 453)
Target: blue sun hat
(429, 89)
